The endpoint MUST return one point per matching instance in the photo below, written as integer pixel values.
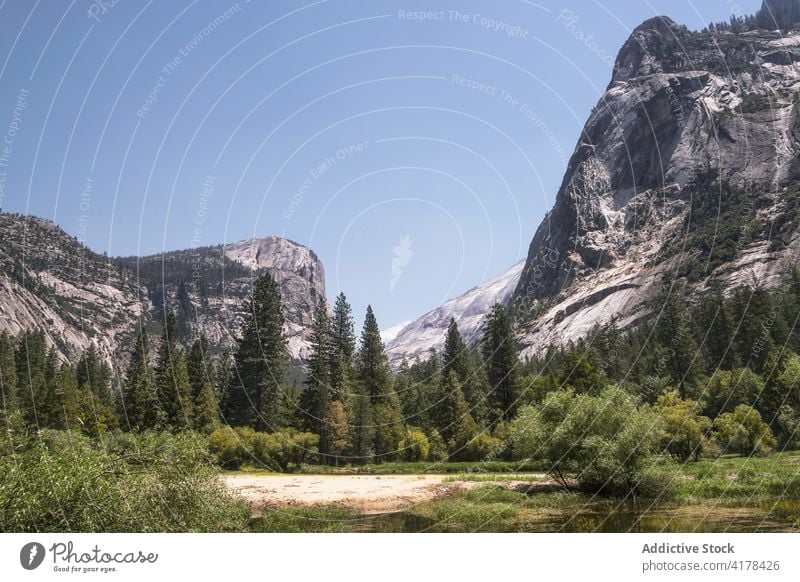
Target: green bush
(686, 430)
(231, 447)
(481, 447)
(66, 482)
(438, 449)
(726, 390)
(415, 446)
(744, 432)
(604, 443)
(278, 451)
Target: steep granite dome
(428, 332)
(687, 166)
(48, 280)
(301, 277)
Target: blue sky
(415, 153)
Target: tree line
(721, 368)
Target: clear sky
(415, 153)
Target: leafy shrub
(278, 451)
(231, 447)
(438, 449)
(726, 390)
(743, 431)
(605, 443)
(481, 447)
(415, 446)
(686, 429)
(145, 483)
(283, 449)
(788, 422)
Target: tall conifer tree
(260, 360)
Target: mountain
(686, 169)
(426, 333)
(48, 280)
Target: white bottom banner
(377, 557)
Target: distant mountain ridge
(48, 280)
(428, 332)
(687, 168)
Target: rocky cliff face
(687, 166)
(428, 332)
(50, 281)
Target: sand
(365, 493)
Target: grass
(501, 477)
(727, 493)
(332, 519)
(741, 479)
(426, 468)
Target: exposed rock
(688, 117)
(49, 281)
(428, 332)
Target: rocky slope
(50, 281)
(687, 167)
(428, 332)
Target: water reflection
(613, 517)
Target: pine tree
(456, 358)
(716, 330)
(499, 352)
(372, 366)
(32, 389)
(94, 373)
(362, 429)
(201, 379)
(319, 377)
(223, 377)
(751, 310)
(344, 346)
(8, 377)
(180, 412)
(69, 401)
(200, 365)
(450, 408)
(374, 379)
(139, 402)
(206, 410)
(260, 360)
(677, 349)
(172, 379)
